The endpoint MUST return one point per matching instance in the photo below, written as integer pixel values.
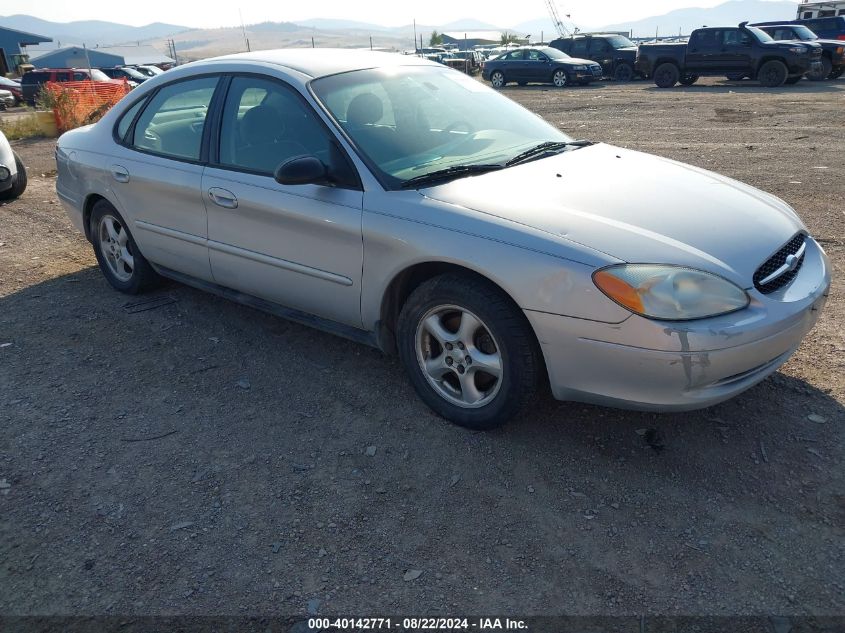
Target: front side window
(172, 124)
(266, 123)
(580, 47)
(439, 118)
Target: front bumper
(677, 366)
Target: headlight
(798, 50)
(672, 293)
(4, 172)
(581, 67)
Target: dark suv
(32, 81)
(833, 51)
(615, 53)
(830, 28)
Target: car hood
(577, 61)
(635, 207)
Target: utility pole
(312, 41)
(243, 29)
(415, 33)
(371, 42)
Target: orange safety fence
(77, 103)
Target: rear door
(513, 65)
(156, 175)
(702, 51)
(296, 245)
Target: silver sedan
(405, 205)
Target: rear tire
(688, 80)
(115, 248)
(824, 73)
(623, 72)
(772, 74)
(666, 75)
(19, 186)
(836, 74)
(456, 316)
(792, 80)
(497, 79)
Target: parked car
(833, 51)
(32, 81)
(730, 51)
(12, 86)
(469, 62)
(126, 72)
(12, 171)
(539, 64)
(402, 204)
(148, 70)
(616, 54)
(830, 28)
(7, 99)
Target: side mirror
(301, 170)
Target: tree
(507, 38)
(436, 39)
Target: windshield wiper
(548, 147)
(455, 171)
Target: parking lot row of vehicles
(31, 82)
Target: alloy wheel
(115, 247)
(458, 356)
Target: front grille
(775, 262)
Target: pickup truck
(730, 50)
(833, 51)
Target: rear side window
(579, 47)
(173, 122)
(126, 120)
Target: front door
(296, 245)
(156, 176)
(537, 65)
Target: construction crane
(562, 31)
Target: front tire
(497, 79)
(836, 74)
(688, 80)
(19, 186)
(824, 73)
(666, 75)
(772, 74)
(120, 260)
(559, 79)
(468, 350)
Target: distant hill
(336, 25)
(729, 13)
(90, 32)
(468, 24)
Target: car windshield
(803, 33)
(761, 35)
(620, 41)
(411, 121)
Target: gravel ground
(201, 457)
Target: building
(466, 40)
(808, 10)
(13, 45)
(103, 57)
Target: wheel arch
(769, 58)
(407, 280)
(88, 208)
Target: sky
(214, 13)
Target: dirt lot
(202, 457)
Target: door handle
(223, 198)
(119, 173)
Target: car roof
(320, 62)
